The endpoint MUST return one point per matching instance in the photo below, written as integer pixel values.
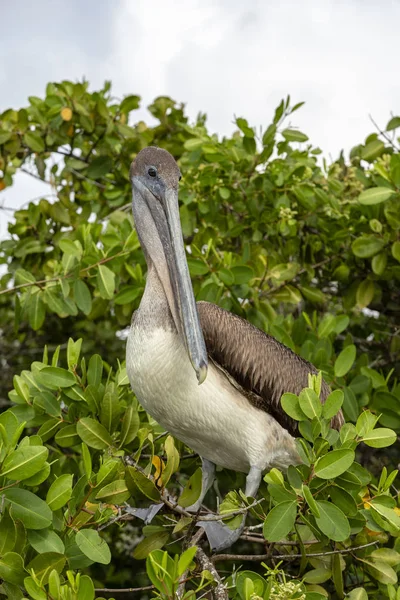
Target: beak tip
(201, 372)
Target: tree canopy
(307, 250)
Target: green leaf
(192, 490)
(332, 522)
(357, 594)
(387, 555)
(310, 501)
(43, 564)
(93, 434)
(172, 460)
(388, 514)
(8, 533)
(375, 195)
(343, 500)
(59, 492)
(99, 167)
(39, 477)
(332, 404)
(396, 250)
(242, 274)
(365, 293)
(334, 463)
(292, 135)
(106, 282)
(319, 575)
(36, 311)
(345, 360)
(186, 559)
(115, 492)
(34, 590)
(95, 370)
(87, 461)
(93, 546)
(291, 405)
(86, 589)
(137, 479)
(130, 426)
(47, 402)
(34, 141)
(367, 246)
(67, 436)
(381, 571)
(70, 247)
(371, 151)
(365, 423)
(129, 103)
(31, 510)
(393, 123)
(110, 411)
(54, 584)
(73, 352)
(153, 542)
(310, 403)
(193, 144)
(380, 438)
(55, 377)
(128, 294)
(12, 568)
(280, 521)
(45, 540)
(82, 296)
(24, 462)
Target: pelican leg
(220, 536)
(207, 478)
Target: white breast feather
(213, 419)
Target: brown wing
(261, 366)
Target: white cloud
(225, 58)
(240, 58)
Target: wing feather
(258, 364)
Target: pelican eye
(152, 172)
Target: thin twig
(259, 557)
(67, 276)
(219, 592)
(383, 133)
(303, 270)
(173, 505)
(124, 590)
(35, 176)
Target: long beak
(192, 331)
(165, 215)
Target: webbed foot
(145, 514)
(219, 535)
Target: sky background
(224, 58)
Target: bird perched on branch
(210, 378)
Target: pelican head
(155, 179)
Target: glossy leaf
(93, 546)
(29, 508)
(93, 433)
(332, 522)
(334, 464)
(280, 521)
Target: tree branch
(124, 590)
(260, 557)
(206, 564)
(68, 276)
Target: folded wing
(260, 366)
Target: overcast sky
(225, 58)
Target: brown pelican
(207, 376)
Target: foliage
(307, 251)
